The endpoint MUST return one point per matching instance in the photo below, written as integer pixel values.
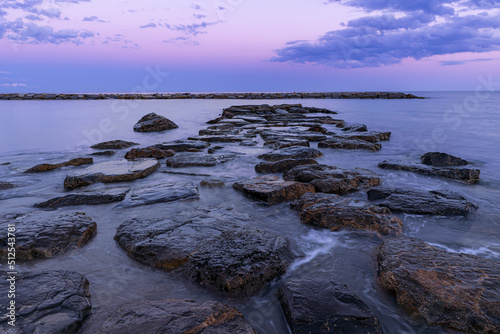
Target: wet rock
(176, 316)
(162, 193)
(44, 234)
(112, 171)
(355, 128)
(272, 189)
(295, 152)
(457, 291)
(297, 134)
(114, 145)
(369, 136)
(86, 198)
(218, 132)
(148, 152)
(212, 183)
(286, 142)
(339, 213)
(183, 145)
(465, 175)
(318, 128)
(47, 302)
(249, 143)
(220, 139)
(213, 149)
(212, 246)
(104, 153)
(437, 159)
(153, 122)
(72, 162)
(349, 144)
(422, 202)
(282, 166)
(6, 185)
(198, 159)
(324, 306)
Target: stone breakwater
(248, 96)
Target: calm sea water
(460, 123)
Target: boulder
(437, 159)
(72, 162)
(282, 166)
(457, 291)
(339, 213)
(113, 145)
(86, 198)
(183, 146)
(148, 152)
(435, 202)
(324, 306)
(162, 193)
(112, 171)
(295, 152)
(349, 144)
(6, 185)
(153, 122)
(212, 183)
(47, 302)
(198, 159)
(44, 234)
(176, 316)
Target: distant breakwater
(246, 96)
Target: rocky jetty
(113, 145)
(198, 159)
(153, 122)
(86, 198)
(72, 162)
(282, 166)
(162, 193)
(148, 152)
(294, 152)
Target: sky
(88, 46)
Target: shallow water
(32, 132)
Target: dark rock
(162, 193)
(369, 136)
(153, 122)
(282, 166)
(272, 189)
(318, 128)
(295, 152)
(349, 144)
(113, 145)
(458, 291)
(465, 175)
(72, 162)
(47, 302)
(112, 171)
(422, 202)
(286, 142)
(355, 128)
(218, 132)
(6, 185)
(297, 134)
(220, 139)
(212, 183)
(183, 145)
(339, 213)
(148, 152)
(323, 306)
(44, 234)
(104, 153)
(176, 316)
(86, 198)
(212, 150)
(249, 143)
(198, 159)
(437, 159)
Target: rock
(113, 145)
(6, 185)
(213, 149)
(212, 183)
(198, 159)
(349, 144)
(249, 143)
(44, 234)
(104, 153)
(286, 142)
(220, 138)
(153, 122)
(294, 133)
(148, 152)
(465, 175)
(323, 306)
(457, 291)
(183, 145)
(330, 179)
(86, 198)
(218, 132)
(355, 128)
(72, 162)
(295, 152)
(282, 166)
(369, 136)
(176, 316)
(339, 213)
(112, 171)
(422, 202)
(47, 302)
(318, 128)
(162, 193)
(214, 247)
(437, 159)
(272, 189)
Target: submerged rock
(44, 234)
(148, 152)
(198, 159)
(72, 162)
(220, 138)
(113, 145)
(212, 183)
(104, 153)
(324, 306)
(183, 146)
(296, 133)
(349, 144)
(458, 291)
(437, 159)
(339, 213)
(295, 152)
(154, 122)
(6, 185)
(162, 193)
(369, 136)
(282, 166)
(176, 316)
(47, 302)
(86, 198)
(112, 171)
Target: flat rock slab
(349, 144)
(86, 198)
(176, 316)
(44, 234)
(464, 175)
(339, 213)
(104, 153)
(295, 152)
(220, 138)
(282, 166)
(6, 185)
(458, 291)
(422, 202)
(286, 142)
(324, 306)
(72, 162)
(215, 247)
(112, 171)
(148, 152)
(113, 145)
(183, 145)
(162, 193)
(47, 302)
(297, 134)
(369, 136)
(272, 189)
(198, 159)
(437, 159)
(154, 122)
